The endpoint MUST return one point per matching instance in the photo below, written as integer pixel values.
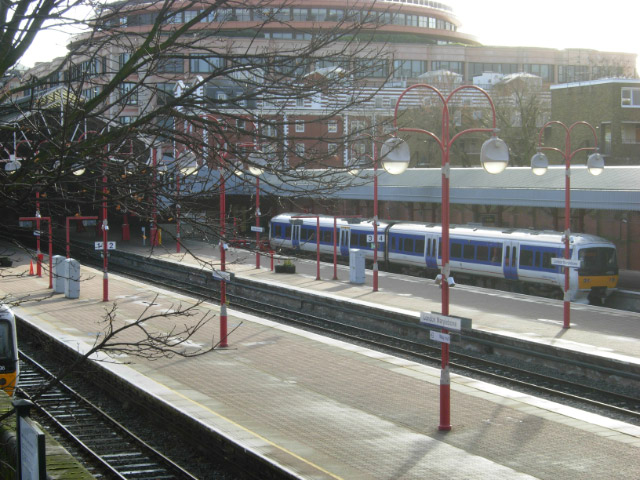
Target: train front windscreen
(598, 261)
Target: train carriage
(519, 257)
(9, 365)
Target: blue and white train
(522, 258)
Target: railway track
(601, 400)
(108, 449)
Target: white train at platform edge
(484, 255)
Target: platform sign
(439, 337)
(257, 229)
(36, 233)
(565, 262)
(25, 224)
(380, 238)
(446, 322)
(100, 245)
(32, 450)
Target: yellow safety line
(289, 452)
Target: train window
(429, 247)
(440, 248)
(526, 257)
(514, 256)
(456, 250)
(408, 245)
(420, 245)
(6, 345)
(496, 255)
(546, 260)
(482, 253)
(287, 233)
(536, 263)
(394, 243)
(362, 240)
(468, 252)
(507, 254)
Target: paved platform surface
(594, 330)
(325, 409)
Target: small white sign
(100, 245)
(220, 275)
(439, 337)
(257, 229)
(36, 233)
(380, 238)
(564, 262)
(442, 321)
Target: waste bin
(356, 266)
(72, 278)
(57, 271)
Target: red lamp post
(257, 162)
(395, 159)
(595, 165)
(374, 160)
(38, 220)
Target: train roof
(519, 234)
(340, 220)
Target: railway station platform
(324, 409)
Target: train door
(431, 251)
(510, 260)
(345, 241)
(295, 235)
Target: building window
(90, 93)
(476, 69)
(204, 63)
(631, 97)
(409, 68)
(300, 149)
(605, 129)
(333, 126)
(171, 65)
(123, 59)
(573, 73)
(546, 72)
(126, 119)
(299, 102)
(128, 93)
(299, 126)
(455, 67)
(241, 124)
(630, 132)
(164, 92)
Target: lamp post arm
(426, 132)
(407, 90)
(551, 149)
(480, 90)
(583, 149)
(470, 130)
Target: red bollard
(39, 264)
(271, 255)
